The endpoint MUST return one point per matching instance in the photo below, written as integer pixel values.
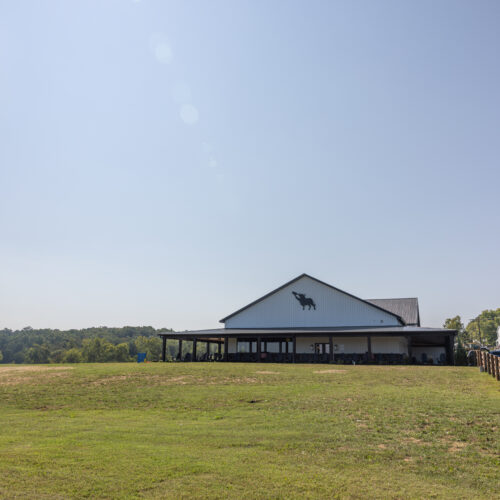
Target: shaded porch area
(405, 345)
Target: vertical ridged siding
(333, 308)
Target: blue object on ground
(141, 357)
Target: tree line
(89, 345)
(105, 344)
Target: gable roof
(405, 308)
(304, 275)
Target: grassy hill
(248, 431)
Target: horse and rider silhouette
(304, 301)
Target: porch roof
(218, 333)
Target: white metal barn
(309, 321)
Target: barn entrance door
(321, 348)
(321, 352)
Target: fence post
(498, 366)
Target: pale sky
(166, 162)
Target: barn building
(309, 321)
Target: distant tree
(18, 358)
(151, 346)
(489, 321)
(38, 354)
(460, 354)
(56, 356)
(97, 350)
(456, 324)
(1, 356)
(72, 355)
(121, 352)
(132, 348)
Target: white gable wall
(333, 308)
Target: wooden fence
(489, 363)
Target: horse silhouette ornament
(304, 301)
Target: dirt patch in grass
(13, 375)
(155, 379)
(161, 380)
(413, 440)
(333, 370)
(456, 446)
(268, 373)
(20, 369)
(110, 380)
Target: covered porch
(397, 345)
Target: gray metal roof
(404, 308)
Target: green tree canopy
(456, 324)
(37, 354)
(73, 355)
(488, 322)
(151, 346)
(31, 345)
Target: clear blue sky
(166, 162)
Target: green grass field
(205, 430)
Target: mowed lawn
(206, 430)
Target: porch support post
(369, 346)
(164, 348)
(194, 350)
(258, 349)
(281, 347)
(208, 348)
(180, 350)
(219, 348)
(330, 348)
(409, 340)
(450, 358)
(294, 348)
(226, 348)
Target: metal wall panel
(333, 308)
(389, 345)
